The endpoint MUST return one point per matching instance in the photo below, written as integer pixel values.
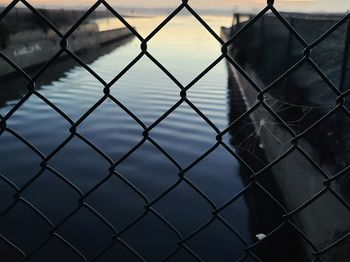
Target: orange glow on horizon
(229, 5)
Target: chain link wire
(254, 180)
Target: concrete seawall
(13, 88)
(31, 48)
(265, 51)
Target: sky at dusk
(241, 5)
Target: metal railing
(254, 180)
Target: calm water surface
(185, 49)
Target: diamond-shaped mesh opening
(268, 66)
(258, 219)
(189, 145)
(27, 166)
(224, 178)
(65, 65)
(209, 95)
(146, 166)
(144, 24)
(113, 57)
(292, 250)
(315, 27)
(119, 251)
(97, 234)
(102, 127)
(335, 214)
(329, 54)
(13, 89)
(247, 134)
(24, 227)
(339, 185)
(67, 90)
(217, 242)
(183, 255)
(97, 32)
(304, 81)
(55, 191)
(151, 238)
(186, 199)
(8, 252)
(77, 167)
(337, 250)
(7, 192)
(105, 199)
(38, 112)
(55, 250)
(288, 178)
(329, 152)
(162, 46)
(145, 80)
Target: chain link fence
(253, 178)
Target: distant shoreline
(156, 11)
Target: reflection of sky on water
(183, 46)
(145, 24)
(185, 49)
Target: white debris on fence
(260, 236)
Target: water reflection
(185, 49)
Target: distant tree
(39, 22)
(63, 18)
(4, 35)
(56, 17)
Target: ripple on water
(148, 93)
